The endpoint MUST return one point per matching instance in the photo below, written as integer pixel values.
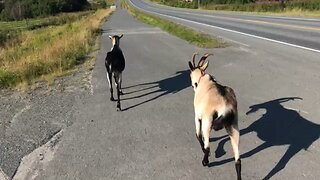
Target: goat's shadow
(179, 81)
(277, 127)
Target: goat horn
(193, 58)
(203, 58)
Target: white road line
(15, 117)
(233, 31)
(136, 32)
(237, 42)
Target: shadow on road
(277, 127)
(171, 85)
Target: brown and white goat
(215, 108)
(115, 64)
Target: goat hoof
(205, 162)
(118, 107)
(111, 99)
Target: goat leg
(238, 169)
(205, 160)
(109, 78)
(120, 83)
(234, 134)
(206, 128)
(118, 102)
(198, 132)
(201, 143)
(117, 80)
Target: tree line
(22, 9)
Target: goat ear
(110, 37)
(190, 66)
(120, 36)
(204, 65)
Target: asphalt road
(154, 137)
(295, 31)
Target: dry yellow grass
(50, 50)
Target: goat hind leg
(198, 132)
(206, 128)
(120, 83)
(109, 77)
(233, 132)
(117, 81)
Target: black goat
(115, 64)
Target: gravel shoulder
(30, 119)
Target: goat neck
(115, 46)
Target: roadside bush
(229, 1)
(312, 5)
(178, 3)
(98, 4)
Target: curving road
(299, 32)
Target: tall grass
(49, 50)
(11, 30)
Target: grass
(194, 37)
(50, 51)
(11, 31)
(267, 9)
(30, 24)
(291, 13)
(178, 3)
(299, 8)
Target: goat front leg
(233, 132)
(109, 77)
(206, 128)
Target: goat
(115, 64)
(215, 107)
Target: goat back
(115, 60)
